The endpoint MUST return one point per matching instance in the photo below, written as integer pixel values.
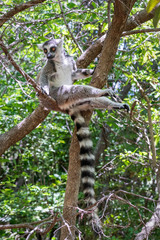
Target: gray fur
(60, 69)
(84, 98)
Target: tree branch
(139, 18)
(150, 225)
(91, 53)
(25, 225)
(72, 189)
(23, 128)
(121, 12)
(102, 142)
(109, 12)
(28, 124)
(18, 8)
(46, 100)
(50, 225)
(141, 31)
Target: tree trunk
(72, 189)
(121, 12)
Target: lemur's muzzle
(50, 56)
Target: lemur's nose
(49, 55)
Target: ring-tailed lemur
(56, 79)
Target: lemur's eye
(53, 49)
(45, 50)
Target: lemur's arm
(81, 74)
(42, 80)
(37, 78)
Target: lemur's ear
(40, 46)
(59, 41)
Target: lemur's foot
(122, 106)
(126, 106)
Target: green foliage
(152, 4)
(156, 17)
(33, 172)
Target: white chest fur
(63, 74)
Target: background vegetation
(33, 172)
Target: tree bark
(72, 189)
(102, 143)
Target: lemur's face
(51, 48)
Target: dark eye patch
(45, 50)
(52, 49)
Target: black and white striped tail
(87, 165)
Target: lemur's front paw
(109, 92)
(92, 71)
(44, 92)
(126, 106)
(88, 72)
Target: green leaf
(151, 5)
(71, 5)
(156, 17)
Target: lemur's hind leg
(99, 103)
(68, 95)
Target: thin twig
(141, 31)
(69, 30)
(130, 204)
(136, 195)
(53, 222)
(37, 229)
(19, 83)
(152, 141)
(56, 16)
(25, 225)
